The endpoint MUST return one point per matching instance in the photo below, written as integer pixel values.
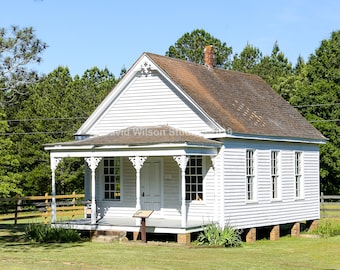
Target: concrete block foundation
(184, 238)
(295, 230)
(251, 235)
(313, 225)
(275, 233)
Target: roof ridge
(217, 69)
(242, 102)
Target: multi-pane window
(112, 178)
(274, 174)
(194, 179)
(298, 174)
(250, 174)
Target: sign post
(143, 214)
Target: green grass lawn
(286, 253)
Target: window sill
(252, 202)
(195, 202)
(276, 200)
(299, 199)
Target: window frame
(298, 174)
(193, 186)
(251, 175)
(275, 175)
(111, 176)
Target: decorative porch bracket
(54, 165)
(182, 163)
(93, 162)
(137, 163)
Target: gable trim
(202, 114)
(145, 66)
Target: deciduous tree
(18, 48)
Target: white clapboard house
(196, 144)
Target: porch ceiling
(144, 139)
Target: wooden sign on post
(143, 214)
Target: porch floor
(153, 225)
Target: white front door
(151, 185)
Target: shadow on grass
(14, 236)
(10, 233)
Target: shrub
(214, 235)
(46, 234)
(327, 229)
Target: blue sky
(82, 34)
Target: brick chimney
(209, 56)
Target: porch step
(108, 236)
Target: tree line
(38, 109)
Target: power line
(324, 120)
(72, 132)
(44, 119)
(36, 133)
(85, 117)
(317, 105)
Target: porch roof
(139, 137)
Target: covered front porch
(148, 172)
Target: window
(274, 174)
(194, 179)
(298, 174)
(250, 174)
(112, 178)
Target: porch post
(182, 163)
(213, 161)
(93, 162)
(137, 163)
(54, 165)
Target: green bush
(327, 229)
(46, 234)
(214, 235)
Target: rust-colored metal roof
(147, 135)
(242, 102)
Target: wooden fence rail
(28, 207)
(329, 205)
(40, 206)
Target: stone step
(108, 236)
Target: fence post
(322, 205)
(73, 204)
(16, 209)
(46, 205)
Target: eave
(129, 150)
(224, 135)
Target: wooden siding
(127, 204)
(171, 192)
(149, 101)
(204, 209)
(264, 211)
(171, 188)
(230, 203)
